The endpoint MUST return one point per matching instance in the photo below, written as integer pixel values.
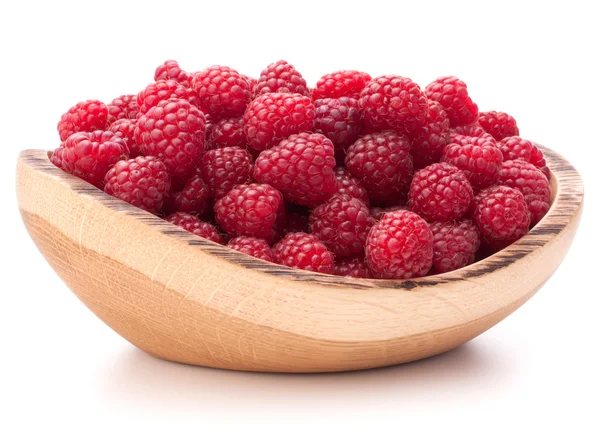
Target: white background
(61, 368)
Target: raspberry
(196, 226)
(301, 167)
(164, 90)
(90, 155)
(85, 116)
(174, 132)
(471, 130)
(142, 181)
(304, 251)
(516, 148)
(399, 246)
(348, 184)
(251, 82)
(440, 192)
(122, 107)
(454, 244)
(342, 224)
(281, 77)
(170, 70)
(378, 212)
(223, 169)
(383, 163)
(273, 116)
(222, 90)
(341, 83)
(352, 267)
(395, 102)
(125, 129)
(226, 132)
(295, 222)
(452, 94)
(192, 198)
(498, 124)
(428, 142)
(253, 210)
(338, 119)
(530, 181)
(501, 215)
(478, 157)
(256, 247)
(537, 159)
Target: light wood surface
(182, 298)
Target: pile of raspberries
(358, 176)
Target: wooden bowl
(182, 298)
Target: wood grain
(182, 298)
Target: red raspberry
(338, 119)
(501, 215)
(478, 157)
(355, 266)
(170, 70)
(295, 222)
(122, 107)
(225, 168)
(226, 132)
(196, 226)
(395, 102)
(440, 193)
(530, 181)
(304, 251)
(378, 212)
(341, 83)
(192, 198)
(452, 94)
(301, 167)
(143, 182)
(281, 77)
(498, 124)
(399, 246)
(164, 90)
(125, 129)
(454, 244)
(85, 116)
(342, 224)
(222, 90)
(348, 184)
(253, 210)
(383, 163)
(471, 130)
(251, 82)
(428, 142)
(516, 148)
(274, 116)
(256, 247)
(90, 155)
(537, 159)
(174, 132)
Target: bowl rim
(567, 191)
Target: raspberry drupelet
(252, 246)
(85, 116)
(346, 83)
(498, 124)
(304, 251)
(452, 94)
(281, 77)
(454, 244)
(222, 91)
(196, 226)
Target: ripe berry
(174, 132)
(222, 91)
(537, 159)
(378, 212)
(354, 266)
(256, 247)
(164, 90)
(196, 226)
(271, 117)
(452, 94)
(304, 251)
(516, 148)
(125, 129)
(142, 181)
(90, 155)
(454, 244)
(122, 107)
(501, 215)
(253, 210)
(338, 119)
(394, 102)
(471, 130)
(86, 116)
(348, 184)
(224, 168)
(342, 224)
(399, 246)
(193, 198)
(498, 124)
(346, 83)
(226, 132)
(251, 82)
(383, 163)
(428, 142)
(440, 192)
(281, 77)
(301, 167)
(530, 181)
(170, 70)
